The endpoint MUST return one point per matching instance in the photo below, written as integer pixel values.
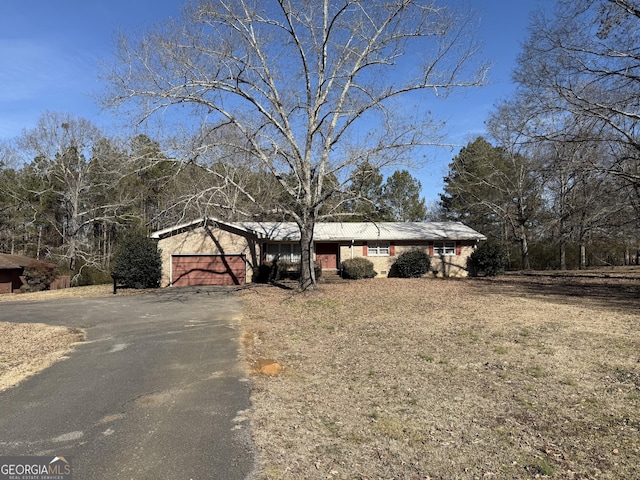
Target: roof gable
(200, 222)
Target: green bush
(357, 268)
(137, 262)
(40, 275)
(413, 264)
(490, 259)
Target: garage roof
(335, 231)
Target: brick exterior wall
(199, 242)
(449, 265)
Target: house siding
(453, 265)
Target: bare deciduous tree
(70, 187)
(312, 88)
(586, 61)
(58, 149)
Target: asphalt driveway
(157, 391)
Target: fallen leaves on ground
(447, 379)
(27, 348)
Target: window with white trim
(378, 249)
(444, 248)
(283, 251)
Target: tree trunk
(583, 256)
(524, 246)
(563, 255)
(39, 242)
(307, 273)
(522, 233)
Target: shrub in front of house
(263, 273)
(412, 264)
(285, 269)
(138, 263)
(357, 268)
(490, 259)
(282, 270)
(40, 275)
(317, 269)
(90, 275)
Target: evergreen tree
(366, 193)
(137, 262)
(494, 192)
(401, 198)
(468, 191)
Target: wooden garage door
(208, 270)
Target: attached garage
(189, 269)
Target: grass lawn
(508, 378)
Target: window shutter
(392, 249)
(365, 249)
(458, 248)
(431, 249)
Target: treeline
(548, 213)
(69, 194)
(561, 180)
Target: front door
(327, 255)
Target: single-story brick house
(11, 270)
(213, 252)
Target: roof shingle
(10, 262)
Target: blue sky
(50, 51)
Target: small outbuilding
(212, 252)
(11, 271)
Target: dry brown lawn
(508, 378)
(75, 292)
(27, 348)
